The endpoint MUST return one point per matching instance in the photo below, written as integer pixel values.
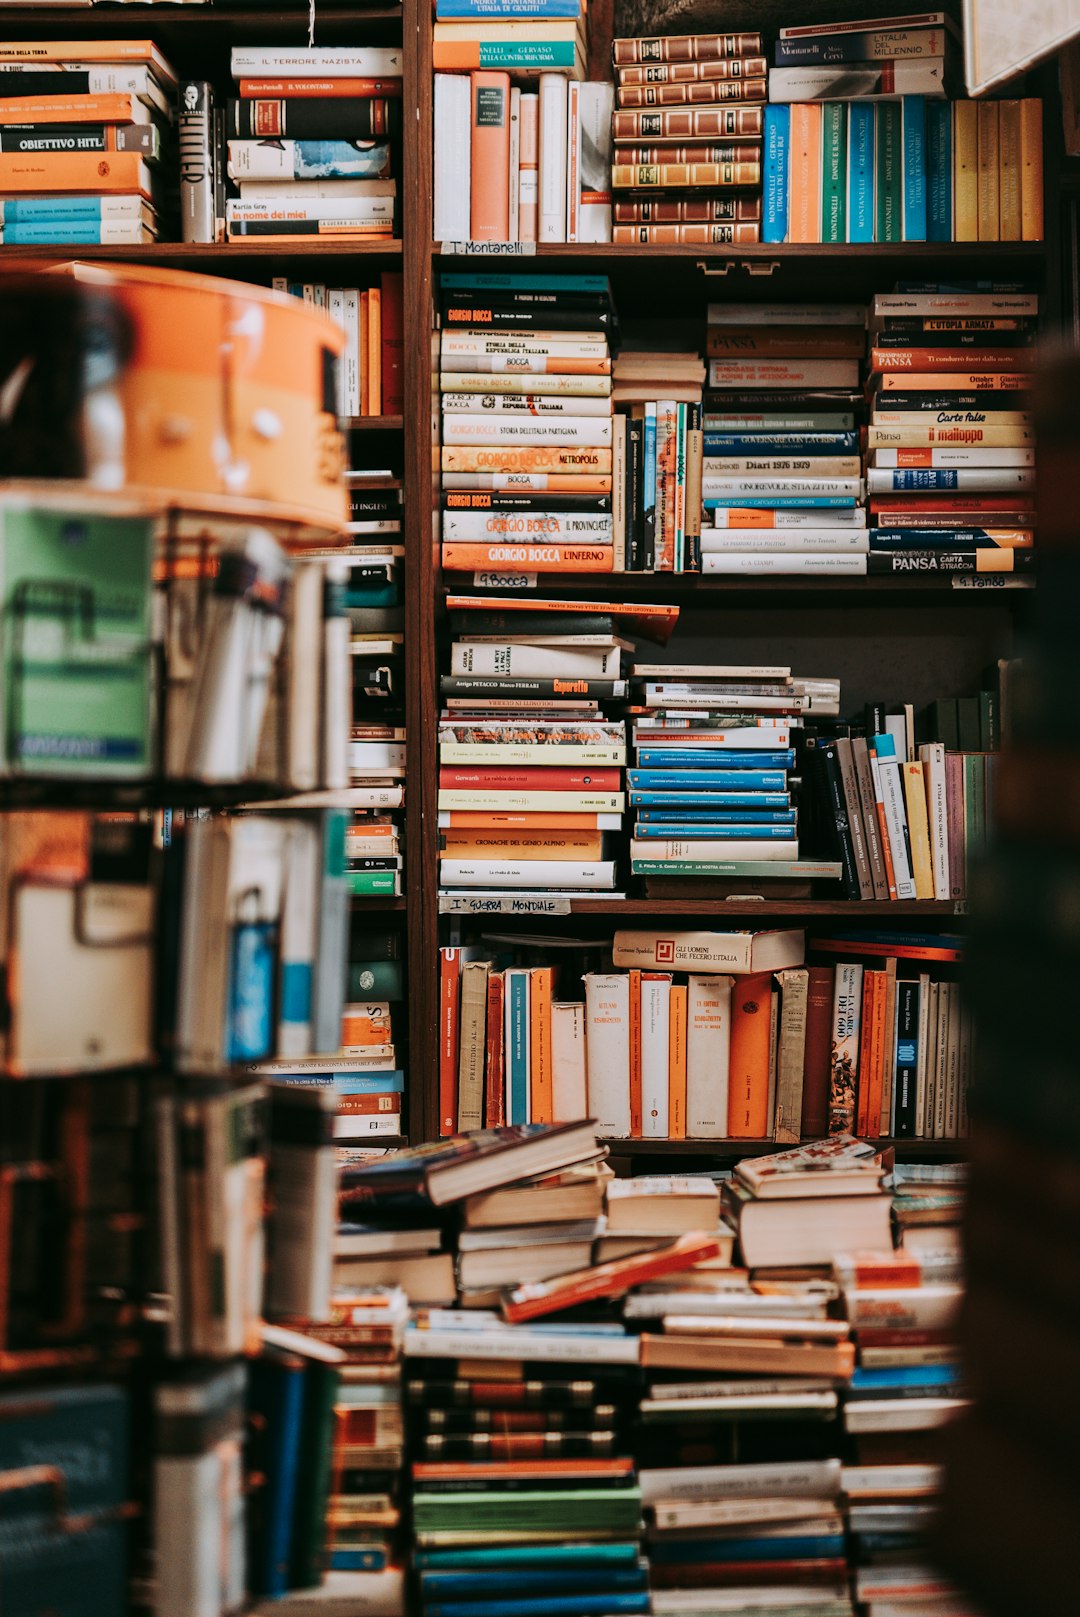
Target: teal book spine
(834, 171)
(540, 55)
(517, 1047)
(776, 174)
(939, 161)
(375, 979)
(888, 169)
(914, 150)
(860, 167)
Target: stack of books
(523, 147)
(801, 1207)
(370, 378)
(713, 756)
(862, 145)
(951, 459)
(781, 447)
(526, 422)
(687, 130)
(658, 453)
(311, 144)
(84, 128)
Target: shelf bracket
(711, 269)
(768, 268)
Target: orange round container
(182, 390)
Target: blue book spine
(782, 502)
(905, 1375)
(813, 1547)
(525, 1556)
(917, 940)
(711, 780)
(776, 182)
(521, 281)
(939, 161)
(24, 209)
(59, 233)
(702, 801)
(914, 150)
(517, 1054)
(924, 477)
(505, 10)
(283, 1427)
(751, 817)
(907, 1060)
(705, 760)
(732, 833)
(348, 1083)
(338, 160)
(369, 1560)
(787, 443)
(929, 539)
(582, 1605)
(861, 124)
(583, 1580)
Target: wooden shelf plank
(734, 1150)
(199, 255)
(372, 423)
(377, 904)
(685, 586)
(879, 253)
(833, 908)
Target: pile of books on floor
(861, 144)
(526, 422)
(522, 146)
(657, 458)
(782, 474)
(951, 457)
(687, 130)
(713, 755)
(307, 162)
(84, 129)
(370, 375)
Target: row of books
(86, 142)
(371, 376)
(744, 1041)
(521, 164)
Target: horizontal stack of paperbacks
(1018, 1330)
(950, 446)
(371, 377)
(87, 148)
(761, 1432)
(522, 144)
(863, 144)
(657, 453)
(687, 137)
(307, 148)
(725, 1036)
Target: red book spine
(608, 1279)
(393, 344)
(546, 778)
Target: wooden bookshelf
(980, 613)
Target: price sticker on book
(504, 581)
(490, 249)
(504, 904)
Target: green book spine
(969, 733)
(889, 172)
(834, 171)
(375, 980)
(313, 1477)
(539, 54)
(373, 883)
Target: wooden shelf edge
(376, 903)
(194, 253)
(371, 423)
(733, 1150)
(759, 252)
(984, 585)
(832, 908)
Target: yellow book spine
(918, 830)
(988, 145)
(1009, 169)
(541, 1098)
(1031, 169)
(965, 171)
(677, 1062)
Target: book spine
(569, 1096)
(1031, 169)
(517, 988)
(655, 1054)
(554, 99)
(919, 829)
(529, 167)
(607, 1011)
(572, 178)
(844, 1063)
(989, 190)
(860, 171)
(677, 1036)
(965, 170)
(899, 44)
(494, 1056)
(906, 1060)
(805, 217)
(708, 1055)
(791, 1057)
(490, 156)
(939, 171)
(867, 803)
(888, 147)
(194, 129)
(689, 123)
(836, 808)
(748, 1083)
(472, 1043)
(449, 1007)
(866, 1026)
(453, 158)
(913, 123)
(856, 829)
(892, 797)
(700, 235)
(684, 48)
(834, 159)
(776, 176)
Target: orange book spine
(310, 89)
(966, 170)
(374, 352)
(533, 558)
(525, 458)
(677, 1062)
(748, 1080)
(739, 67)
(28, 52)
(805, 172)
(629, 176)
(949, 359)
(955, 381)
(449, 973)
(491, 1470)
(71, 109)
(495, 1092)
(526, 845)
(865, 1039)
(635, 1055)
(467, 820)
(872, 1077)
(490, 158)
(1031, 169)
(684, 48)
(689, 123)
(89, 172)
(989, 191)
(886, 849)
(541, 1105)
(608, 1279)
(701, 93)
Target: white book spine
(923, 1073)
(552, 151)
(708, 1035)
(324, 62)
(564, 874)
(335, 308)
(514, 218)
(533, 662)
(985, 480)
(569, 1084)
(737, 848)
(190, 1536)
(842, 516)
(351, 300)
(591, 431)
(528, 406)
(297, 940)
(494, 527)
(528, 169)
(818, 563)
(655, 1039)
(453, 167)
(892, 796)
(798, 1479)
(932, 757)
(607, 1013)
(787, 541)
(951, 455)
